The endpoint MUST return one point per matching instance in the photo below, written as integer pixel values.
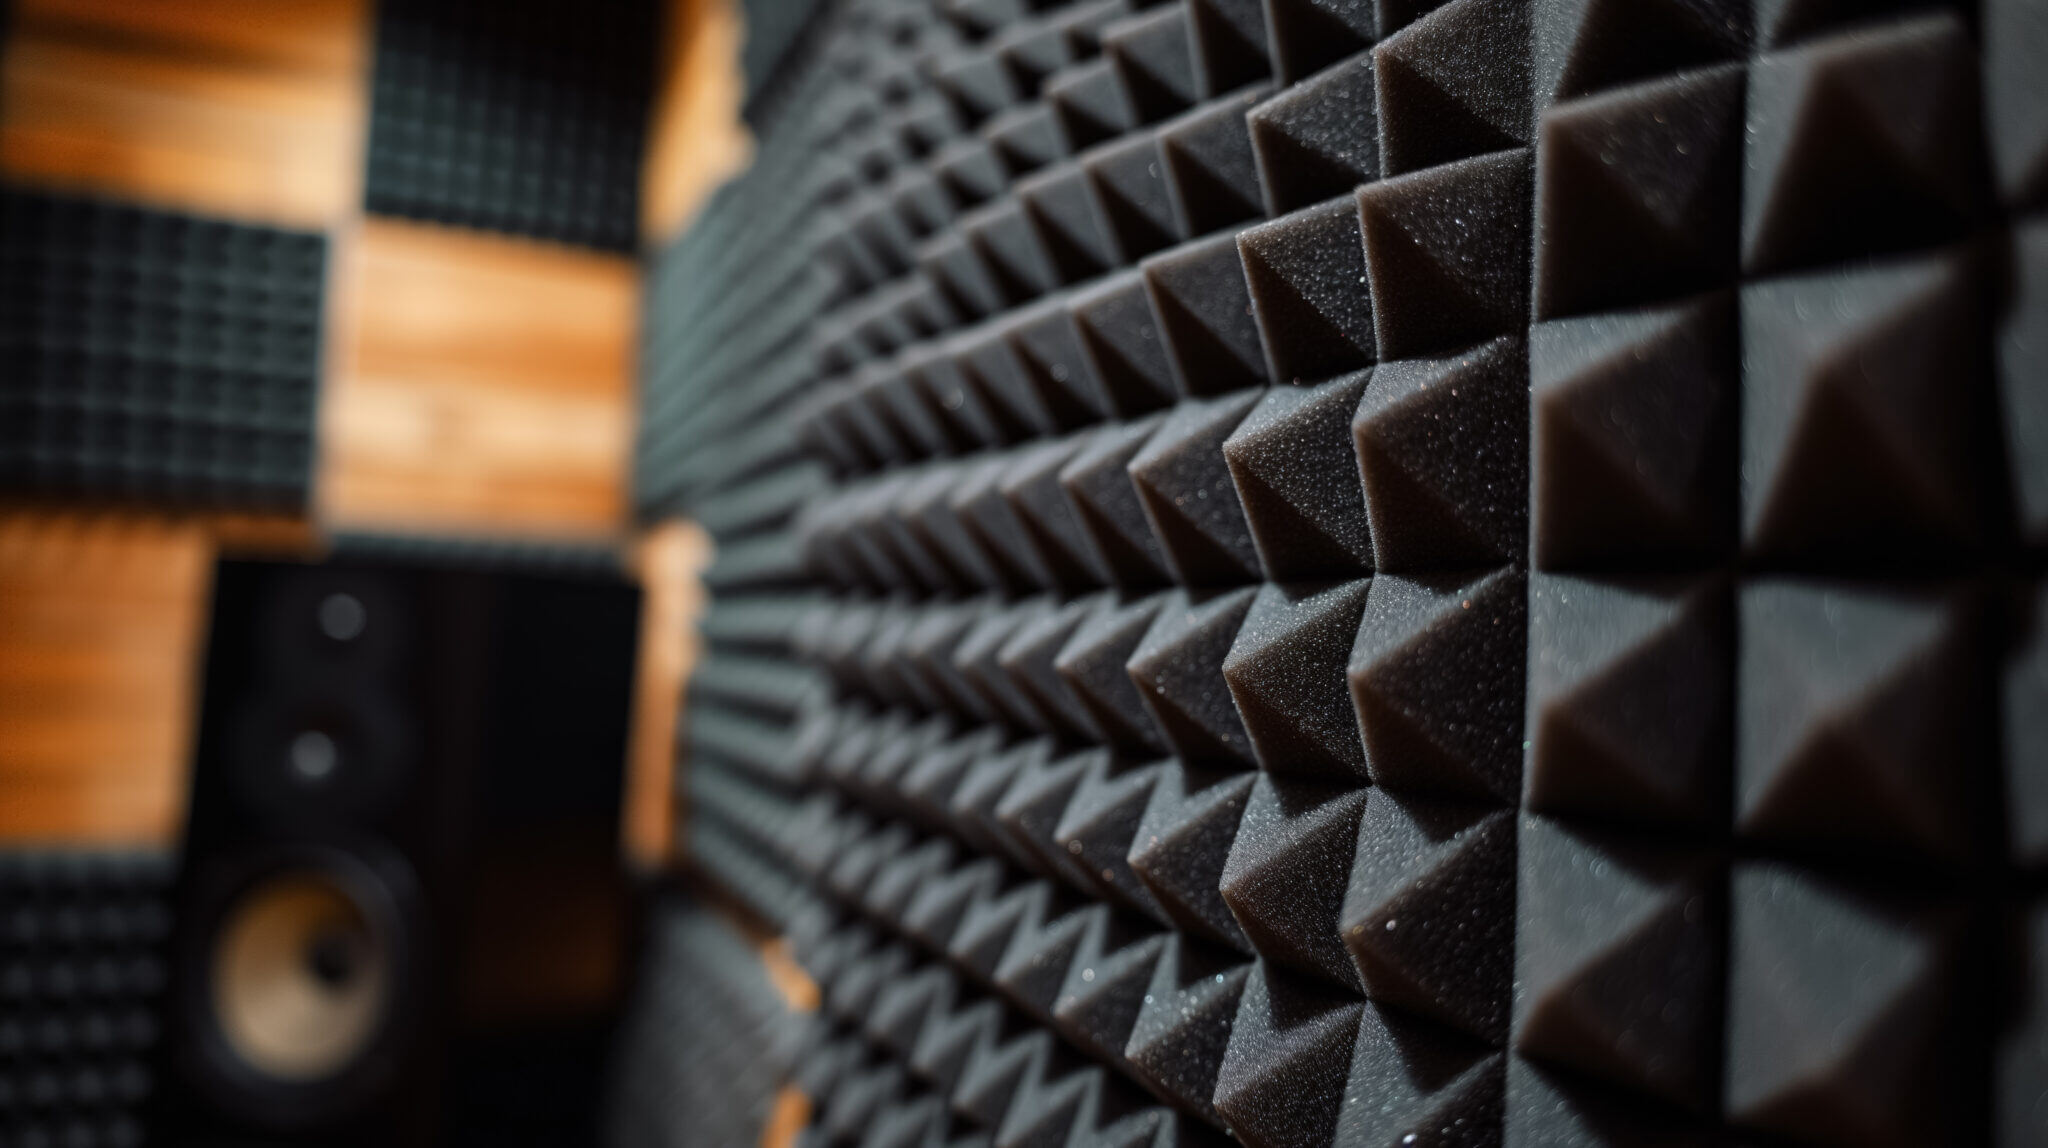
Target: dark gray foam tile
(1092, 665)
(1288, 873)
(1184, 486)
(1429, 914)
(1864, 142)
(1436, 677)
(1862, 718)
(1106, 501)
(1631, 700)
(1638, 193)
(1127, 184)
(1633, 437)
(1442, 452)
(1121, 344)
(1177, 1043)
(1830, 1058)
(1282, 1080)
(1584, 46)
(1182, 843)
(1178, 671)
(1286, 672)
(1619, 963)
(1318, 138)
(1865, 415)
(1310, 292)
(1453, 84)
(1447, 251)
(1295, 469)
(1212, 175)
(1205, 316)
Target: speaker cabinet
(401, 913)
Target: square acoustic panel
(154, 357)
(523, 117)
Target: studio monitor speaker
(401, 913)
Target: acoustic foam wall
(527, 118)
(81, 971)
(147, 356)
(1383, 573)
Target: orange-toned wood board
(669, 558)
(248, 109)
(101, 616)
(480, 385)
(695, 140)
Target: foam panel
(152, 357)
(82, 938)
(1419, 573)
(522, 118)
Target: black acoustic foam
(1382, 572)
(147, 356)
(527, 118)
(82, 940)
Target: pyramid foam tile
(1883, 459)
(1286, 671)
(1436, 680)
(1310, 292)
(1212, 175)
(1178, 670)
(1862, 718)
(1445, 251)
(1182, 843)
(1453, 84)
(1632, 437)
(1619, 963)
(1861, 1059)
(1318, 138)
(1184, 486)
(1206, 321)
(1631, 700)
(1441, 446)
(1427, 915)
(1292, 461)
(1861, 142)
(1288, 872)
(1638, 192)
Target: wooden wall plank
(482, 385)
(695, 139)
(249, 109)
(100, 627)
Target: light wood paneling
(482, 384)
(100, 626)
(249, 109)
(670, 558)
(695, 139)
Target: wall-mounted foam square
(82, 1006)
(157, 358)
(525, 118)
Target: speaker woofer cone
(299, 988)
(301, 977)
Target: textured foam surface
(153, 357)
(1384, 572)
(512, 117)
(82, 945)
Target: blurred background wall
(478, 203)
